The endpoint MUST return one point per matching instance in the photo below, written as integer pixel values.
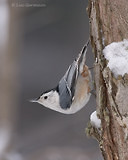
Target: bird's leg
(91, 67)
(93, 92)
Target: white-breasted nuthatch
(73, 91)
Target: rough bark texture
(109, 23)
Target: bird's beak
(34, 100)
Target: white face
(49, 100)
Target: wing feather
(67, 84)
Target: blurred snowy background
(38, 41)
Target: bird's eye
(45, 97)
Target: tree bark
(109, 23)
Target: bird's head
(49, 99)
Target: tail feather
(82, 56)
(85, 47)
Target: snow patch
(94, 120)
(117, 55)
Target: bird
(73, 90)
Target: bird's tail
(82, 56)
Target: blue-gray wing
(67, 85)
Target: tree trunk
(109, 23)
